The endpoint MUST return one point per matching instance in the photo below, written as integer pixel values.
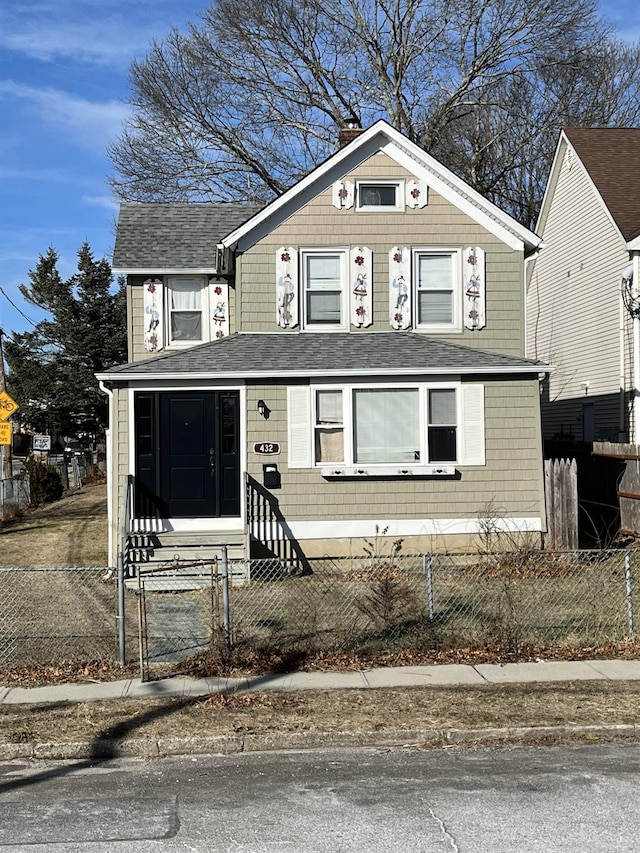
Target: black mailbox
(270, 475)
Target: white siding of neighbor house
(573, 303)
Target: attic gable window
(379, 195)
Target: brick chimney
(350, 129)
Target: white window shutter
(400, 287)
(361, 286)
(417, 193)
(343, 194)
(219, 300)
(472, 426)
(287, 287)
(474, 288)
(153, 315)
(299, 426)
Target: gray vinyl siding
(318, 223)
(511, 480)
(573, 302)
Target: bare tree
(249, 99)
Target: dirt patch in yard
(433, 708)
(68, 532)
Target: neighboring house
(582, 286)
(345, 363)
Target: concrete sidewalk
(411, 676)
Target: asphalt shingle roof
(174, 236)
(314, 353)
(611, 156)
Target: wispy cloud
(109, 33)
(88, 123)
(105, 201)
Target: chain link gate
(183, 610)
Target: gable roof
(611, 156)
(306, 354)
(159, 237)
(382, 136)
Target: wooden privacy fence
(561, 500)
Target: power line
(22, 314)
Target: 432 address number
(266, 448)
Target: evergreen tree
(52, 367)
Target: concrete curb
(101, 750)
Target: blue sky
(63, 83)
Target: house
(582, 292)
(343, 364)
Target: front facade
(346, 364)
(582, 290)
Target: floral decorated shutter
(472, 427)
(299, 426)
(153, 315)
(219, 296)
(399, 287)
(416, 193)
(287, 287)
(343, 194)
(360, 297)
(474, 288)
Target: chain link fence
(370, 605)
(50, 615)
(375, 604)
(14, 495)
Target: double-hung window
(436, 275)
(324, 274)
(329, 428)
(186, 310)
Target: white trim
(351, 528)
(423, 166)
(456, 288)
(235, 524)
(398, 207)
(148, 271)
(634, 245)
(320, 372)
(205, 331)
(343, 253)
(421, 467)
(111, 477)
(238, 521)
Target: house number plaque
(266, 448)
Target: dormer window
(379, 195)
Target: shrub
(45, 483)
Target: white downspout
(633, 438)
(623, 373)
(110, 475)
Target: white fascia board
(552, 180)
(164, 271)
(416, 161)
(634, 245)
(341, 372)
(460, 195)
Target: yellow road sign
(7, 406)
(5, 434)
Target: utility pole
(5, 450)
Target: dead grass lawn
(326, 711)
(69, 532)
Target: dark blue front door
(187, 452)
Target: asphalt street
(334, 801)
